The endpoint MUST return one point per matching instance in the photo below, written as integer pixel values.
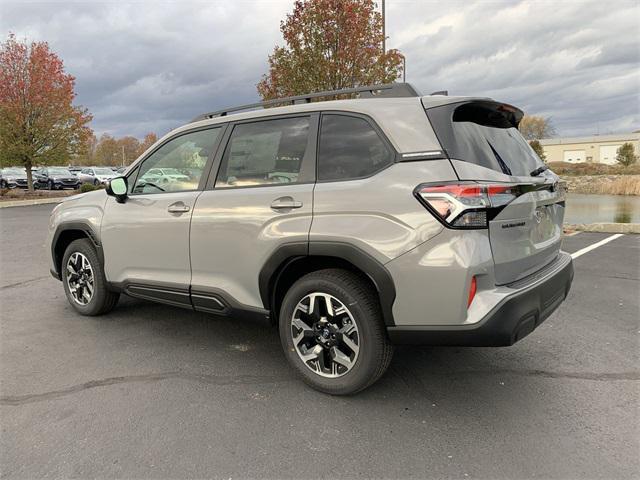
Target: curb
(26, 203)
(605, 227)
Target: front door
(146, 238)
(262, 198)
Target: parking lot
(151, 391)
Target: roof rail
(387, 90)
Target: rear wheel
(84, 281)
(332, 332)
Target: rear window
(484, 133)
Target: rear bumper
(511, 320)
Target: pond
(602, 209)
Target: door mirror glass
(117, 187)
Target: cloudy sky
(145, 66)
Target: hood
(60, 176)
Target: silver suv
(353, 225)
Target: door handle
(178, 207)
(284, 203)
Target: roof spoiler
(369, 91)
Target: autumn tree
(149, 139)
(107, 151)
(533, 127)
(38, 122)
(330, 45)
(626, 154)
(537, 147)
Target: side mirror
(117, 187)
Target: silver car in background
(352, 225)
(96, 175)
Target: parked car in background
(55, 178)
(96, 175)
(164, 176)
(75, 169)
(13, 177)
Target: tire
(3, 184)
(50, 185)
(102, 299)
(96, 182)
(344, 289)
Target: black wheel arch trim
(285, 255)
(80, 226)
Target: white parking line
(595, 245)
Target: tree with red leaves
(331, 45)
(39, 124)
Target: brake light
(466, 205)
(472, 291)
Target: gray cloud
(150, 66)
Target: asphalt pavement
(151, 391)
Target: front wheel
(332, 332)
(96, 182)
(84, 282)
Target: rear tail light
(466, 205)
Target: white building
(596, 149)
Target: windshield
(59, 171)
(103, 171)
(485, 133)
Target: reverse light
(466, 205)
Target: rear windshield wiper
(539, 170)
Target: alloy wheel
(80, 278)
(325, 335)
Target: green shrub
(87, 187)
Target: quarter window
(177, 165)
(264, 152)
(350, 148)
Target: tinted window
(484, 133)
(183, 157)
(350, 148)
(265, 152)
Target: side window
(264, 152)
(177, 165)
(350, 148)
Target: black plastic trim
(169, 296)
(84, 227)
(289, 253)
(272, 269)
(510, 321)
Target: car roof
(402, 118)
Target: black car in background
(55, 178)
(13, 177)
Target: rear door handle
(178, 207)
(285, 203)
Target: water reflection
(583, 208)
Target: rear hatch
(484, 145)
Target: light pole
(404, 69)
(384, 38)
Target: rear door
(484, 144)
(261, 198)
